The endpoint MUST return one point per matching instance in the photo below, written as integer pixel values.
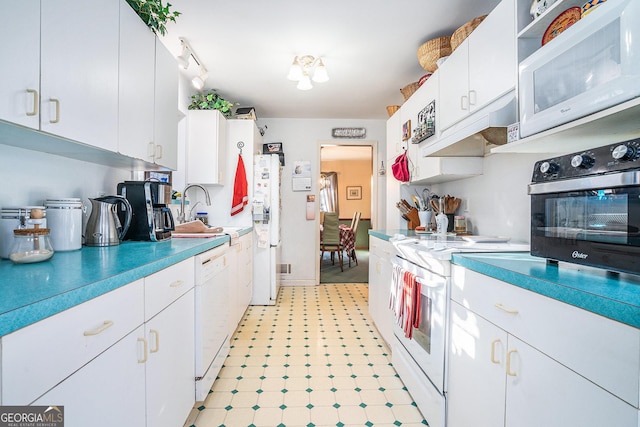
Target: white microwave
(593, 65)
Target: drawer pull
(157, 340)
(145, 348)
(35, 102)
(505, 309)
(177, 284)
(106, 325)
(509, 371)
(493, 351)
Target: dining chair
(330, 241)
(354, 228)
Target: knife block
(414, 219)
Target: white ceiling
(368, 46)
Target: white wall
(300, 138)
(30, 177)
(496, 203)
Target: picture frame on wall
(354, 193)
(406, 130)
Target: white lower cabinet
(108, 391)
(380, 255)
(126, 358)
(170, 363)
(519, 359)
(38, 357)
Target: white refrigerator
(266, 208)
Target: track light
(184, 62)
(305, 66)
(198, 81)
(183, 59)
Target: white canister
(10, 219)
(64, 218)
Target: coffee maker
(151, 217)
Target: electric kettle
(103, 227)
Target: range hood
(475, 135)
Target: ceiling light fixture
(306, 68)
(183, 61)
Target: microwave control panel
(610, 158)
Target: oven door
(428, 343)
(597, 226)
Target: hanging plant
(154, 14)
(211, 101)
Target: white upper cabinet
(206, 154)
(165, 151)
(481, 69)
(20, 71)
(91, 73)
(136, 88)
(79, 71)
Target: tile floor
(313, 360)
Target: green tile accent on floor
(313, 360)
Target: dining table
(347, 239)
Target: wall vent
(285, 268)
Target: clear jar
(31, 245)
(10, 219)
(459, 224)
(203, 216)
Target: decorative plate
(561, 23)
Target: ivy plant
(154, 13)
(211, 100)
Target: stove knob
(624, 152)
(581, 161)
(548, 167)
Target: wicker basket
(409, 89)
(463, 32)
(391, 109)
(431, 51)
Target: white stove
(421, 360)
(433, 251)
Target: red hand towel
(240, 194)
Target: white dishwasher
(212, 316)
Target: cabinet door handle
(151, 149)
(35, 102)
(509, 371)
(56, 102)
(505, 309)
(144, 350)
(158, 152)
(157, 341)
(105, 325)
(464, 102)
(176, 284)
(493, 351)
(473, 97)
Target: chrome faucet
(181, 215)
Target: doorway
(346, 187)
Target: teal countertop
(32, 292)
(387, 234)
(612, 295)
